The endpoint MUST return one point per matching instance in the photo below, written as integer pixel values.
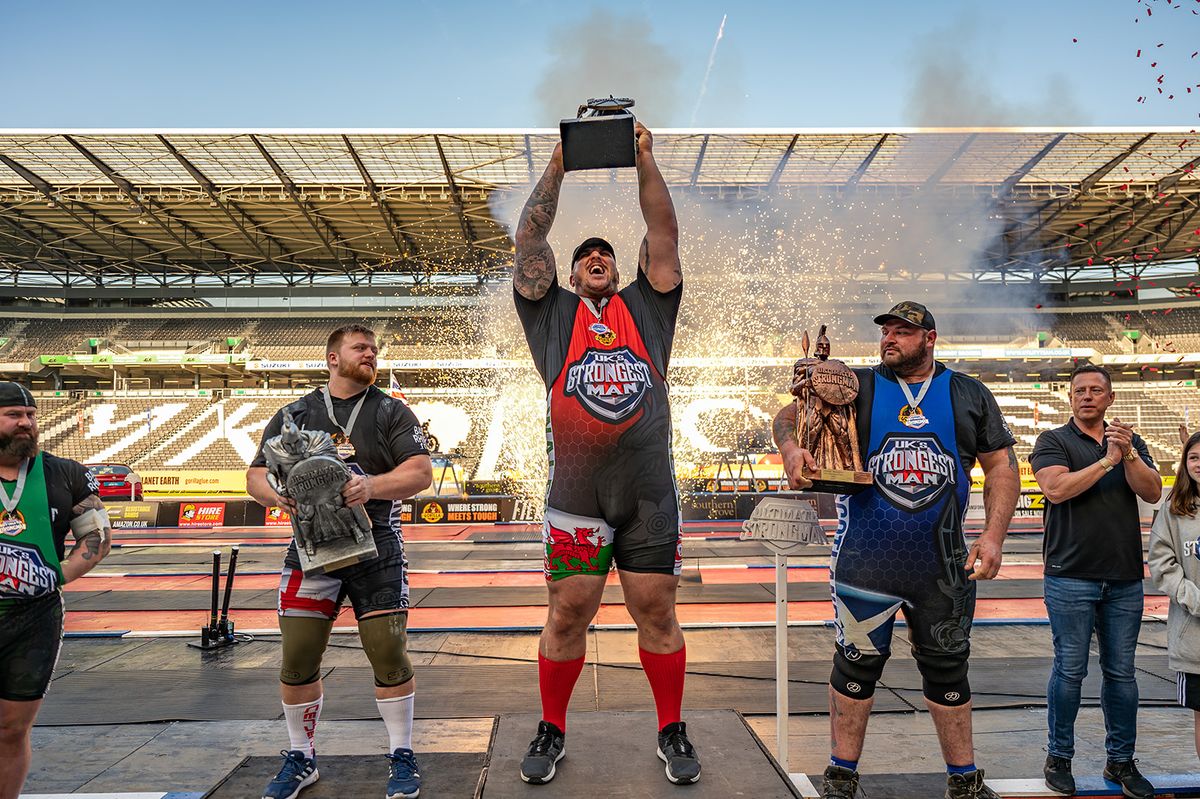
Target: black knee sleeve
(855, 674)
(944, 678)
(385, 640)
(304, 641)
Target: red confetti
(1139, 54)
(1153, 64)
(1160, 44)
(1075, 40)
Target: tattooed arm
(795, 458)
(1001, 489)
(90, 546)
(533, 268)
(659, 256)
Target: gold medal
(345, 449)
(912, 417)
(11, 522)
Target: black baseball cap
(594, 241)
(15, 394)
(908, 311)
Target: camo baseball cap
(908, 311)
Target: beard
(23, 445)
(903, 364)
(360, 372)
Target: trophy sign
(825, 390)
(303, 465)
(600, 137)
(784, 524)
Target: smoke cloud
(950, 87)
(609, 53)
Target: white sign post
(133, 478)
(784, 525)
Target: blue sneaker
(299, 771)
(405, 779)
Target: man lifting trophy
(825, 390)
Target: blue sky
(525, 63)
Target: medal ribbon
(353, 414)
(915, 402)
(10, 503)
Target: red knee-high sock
(666, 673)
(556, 679)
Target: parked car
(111, 477)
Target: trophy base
(838, 481)
(336, 555)
(599, 142)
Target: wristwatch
(1106, 463)
(1130, 456)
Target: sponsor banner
(458, 510)
(1027, 481)
(201, 514)
(417, 365)
(1030, 504)
(194, 482)
(717, 507)
(132, 515)
(135, 360)
(277, 517)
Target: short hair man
(44, 496)
(1092, 473)
(603, 355)
(920, 450)
(381, 441)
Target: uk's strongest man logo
(610, 384)
(912, 470)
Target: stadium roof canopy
(168, 213)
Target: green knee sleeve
(385, 640)
(304, 641)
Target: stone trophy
(825, 390)
(303, 465)
(600, 137)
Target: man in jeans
(1092, 473)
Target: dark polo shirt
(1096, 535)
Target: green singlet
(29, 564)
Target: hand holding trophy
(826, 426)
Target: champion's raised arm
(659, 255)
(533, 267)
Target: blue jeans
(1113, 608)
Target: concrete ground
(192, 756)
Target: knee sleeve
(304, 641)
(385, 640)
(855, 676)
(944, 678)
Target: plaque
(600, 137)
(825, 390)
(784, 524)
(303, 465)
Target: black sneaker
(968, 786)
(674, 749)
(839, 783)
(546, 749)
(1132, 783)
(1058, 775)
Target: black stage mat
(1018, 682)
(452, 691)
(455, 775)
(899, 786)
(988, 589)
(499, 596)
(126, 697)
(613, 754)
(747, 687)
(186, 599)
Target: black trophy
(600, 136)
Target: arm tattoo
(644, 255)
(88, 546)
(533, 269)
(1012, 461)
(784, 426)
